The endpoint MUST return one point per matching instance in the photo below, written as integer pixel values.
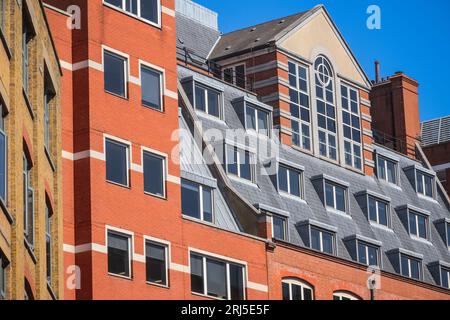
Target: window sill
(380, 226)
(5, 210)
(158, 285)
(50, 161)
(5, 44)
(206, 223)
(207, 116)
(153, 108)
(28, 103)
(302, 150)
(164, 197)
(118, 184)
(243, 181)
(30, 251)
(292, 197)
(424, 241)
(156, 25)
(339, 213)
(117, 95)
(424, 197)
(129, 278)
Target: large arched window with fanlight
(296, 289)
(326, 108)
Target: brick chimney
(395, 112)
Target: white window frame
(301, 183)
(4, 134)
(347, 296)
(3, 285)
(166, 245)
(447, 234)
(130, 236)
(163, 157)
(205, 89)
(162, 82)
(256, 111)
(286, 227)
(126, 68)
(441, 271)
(396, 171)
(433, 183)
(204, 257)
(138, 15)
(416, 215)
(409, 266)
(336, 185)
(128, 146)
(238, 159)
(352, 142)
(322, 231)
(299, 283)
(202, 218)
(367, 245)
(28, 233)
(377, 208)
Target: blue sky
(414, 37)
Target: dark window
(425, 184)
(116, 162)
(367, 254)
(335, 196)
(2, 15)
(146, 9)
(418, 225)
(27, 36)
(49, 94)
(240, 76)
(151, 88)
(156, 263)
(448, 234)
(196, 200)
(220, 276)
(410, 267)
(445, 276)
(119, 259)
(279, 228)
(296, 291)
(386, 170)
(153, 174)
(290, 181)
(48, 241)
(322, 241)
(257, 120)
(378, 211)
(207, 100)
(3, 266)
(115, 73)
(28, 202)
(239, 163)
(3, 156)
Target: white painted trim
(168, 11)
(257, 286)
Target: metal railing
(406, 145)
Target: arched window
(326, 108)
(344, 296)
(294, 289)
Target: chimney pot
(377, 71)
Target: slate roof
(255, 36)
(435, 131)
(265, 192)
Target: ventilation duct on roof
(198, 13)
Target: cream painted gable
(318, 35)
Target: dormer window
(239, 163)
(256, 119)
(445, 278)
(300, 105)
(418, 225)
(290, 181)
(425, 184)
(410, 267)
(335, 197)
(386, 169)
(326, 108)
(318, 236)
(352, 127)
(364, 250)
(207, 100)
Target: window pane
(213, 103)
(362, 253)
(382, 213)
(420, 188)
(216, 278)
(153, 174)
(373, 209)
(329, 195)
(415, 269)
(282, 179)
(156, 263)
(151, 88)
(190, 199)
(2, 279)
(200, 100)
(296, 292)
(448, 234)
(373, 256)
(445, 278)
(240, 76)
(405, 266)
(327, 242)
(412, 224)
(279, 228)
(250, 118)
(340, 199)
(381, 169)
(294, 182)
(391, 176)
(117, 3)
(236, 282)
(197, 274)
(315, 239)
(116, 163)
(114, 68)
(3, 166)
(307, 294)
(149, 10)
(232, 160)
(131, 6)
(245, 166)
(422, 226)
(118, 254)
(428, 186)
(262, 122)
(207, 204)
(286, 294)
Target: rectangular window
(3, 156)
(235, 75)
(239, 163)
(378, 211)
(448, 234)
(418, 225)
(28, 202)
(49, 94)
(156, 263)
(300, 106)
(425, 184)
(48, 241)
(290, 181)
(445, 276)
(146, 9)
(154, 174)
(207, 100)
(352, 127)
(196, 201)
(3, 265)
(322, 240)
(386, 170)
(119, 257)
(216, 278)
(279, 225)
(116, 162)
(115, 74)
(151, 88)
(335, 197)
(256, 120)
(410, 267)
(27, 36)
(2, 15)
(367, 254)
